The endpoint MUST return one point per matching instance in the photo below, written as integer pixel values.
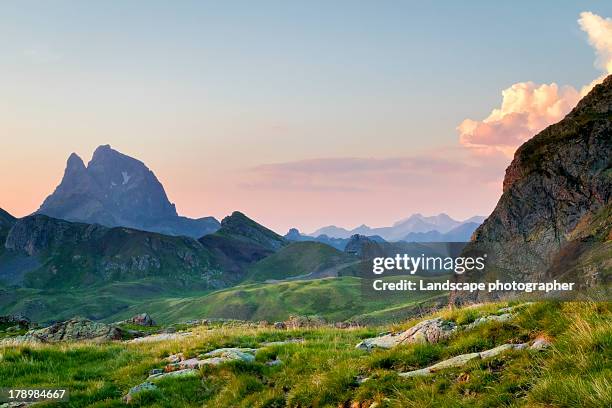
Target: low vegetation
(325, 369)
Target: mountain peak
(118, 190)
(75, 162)
(102, 150)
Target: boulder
(223, 355)
(72, 330)
(188, 372)
(280, 326)
(142, 319)
(427, 331)
(146, 386)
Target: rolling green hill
(300, 259)
(336, 299)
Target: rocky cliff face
(117, 190)
(558, 184)
(78, 255)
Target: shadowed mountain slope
(555, 207)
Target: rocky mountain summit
(555, 214)
(117, 190)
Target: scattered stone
(463, 359)
(190, 363)
(300, 322)
(280, 326)
(146, 386)
(427, 331)
(263, 323)
(175, 358)
(142, 319)
(156, 371)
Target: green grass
(298, 258)
(336, 299)
(323, 371)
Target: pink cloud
(527, 108)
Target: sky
(300, 114)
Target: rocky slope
(555, 207)
(77, 255)
(117, 190)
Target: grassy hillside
(298, 259)
(323, 371)
(335, 299)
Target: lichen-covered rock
(146, 386)
(463, 359)
(427, 331)
(188, 372)
(72, 330)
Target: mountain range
(554, 219)
(416, 228)
(68, 255)
(117, 190)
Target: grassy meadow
(323, 371)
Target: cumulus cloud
(527, 108)
(599, 30)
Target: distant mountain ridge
(425, 227)
(76, 255)
(117, 190)
(295, 235)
